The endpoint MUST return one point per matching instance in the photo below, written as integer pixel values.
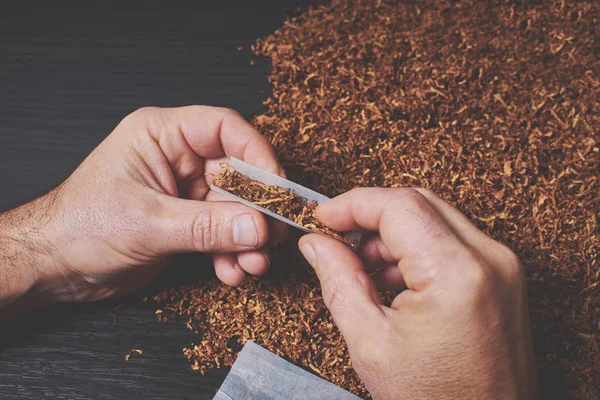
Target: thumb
(348, 291)
(209, 227)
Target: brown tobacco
(131, 352)
(281, 201)
(495, 105)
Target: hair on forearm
(24, 241)
(51, 195)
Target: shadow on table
(188, 268)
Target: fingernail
(267, 259)
(309, 253)
(244, 231)
(237, 267)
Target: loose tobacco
(131, 352)
(495, 105)
(279, 200)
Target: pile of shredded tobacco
(279, 200)
(495, 105)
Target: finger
(207, 226)
(380, 262)
(407, 223)
(254, 262)
(348, 291)
(404, 218)
(210, 132)
(389, 278)
(215, 196)
(228, 270)
(374, 253)
(278, 231)
(494, 252)
(459, 223)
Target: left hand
(142, 196)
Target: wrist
(28, 258)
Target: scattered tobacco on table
(495, 105)
(131, 352)
(279, 200)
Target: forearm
(27, 253)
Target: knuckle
(410, 197)
(475, 282)
(229, 113)
(410, 202)
(512, 267)
(474, 279)
(426, 192)
(142, 117)
(143, 112)
(426, 274)
(205, 231)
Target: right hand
(460, 329)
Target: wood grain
(69, 73)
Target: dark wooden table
(69, 73)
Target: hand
(459, 329)
(140, 197)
